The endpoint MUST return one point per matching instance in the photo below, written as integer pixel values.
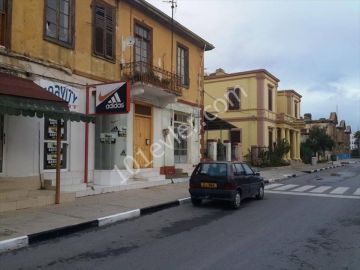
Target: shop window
(182, 69)
(111, 142)
(104, 30)
(59, 21)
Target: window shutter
(99, 30)
(109, 32)
(186, 73)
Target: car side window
(233, 169)
(239, 169)
(247, 169)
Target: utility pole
(173, 6)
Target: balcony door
(142, 48)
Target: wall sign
(65, 92)
(113, 98)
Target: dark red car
(228, 181)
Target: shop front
(33, 123)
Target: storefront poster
(50, 156)
(51, 129)
(108, 138)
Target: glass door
(181, 127)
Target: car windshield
(212, 169)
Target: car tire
(235, 203)
(196, 201)
(260, 194)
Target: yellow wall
(215, 94)
(282, 100)
(27, 39)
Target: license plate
(208, 185)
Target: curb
(325, 168)
(273, 180)
(27, 240)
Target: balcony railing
(146, 73)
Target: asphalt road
(287, 230)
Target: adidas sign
(115, 103)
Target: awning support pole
(58, 161)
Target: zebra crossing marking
(309, 189)
(320, 189)
(314, 194)
(303, 188)
(339, 190)
(272, 186)
(286, 187)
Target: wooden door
(142, 141)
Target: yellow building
(67, 45)
(250, 100)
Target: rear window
(213, 169)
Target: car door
(252, 180)
(242, 179)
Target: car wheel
(235, 204)
(260, 194)
(196, 201)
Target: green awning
(16, 105)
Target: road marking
(273, 185)
(320, 189)
(286, 187)
(339, 190)
(357, 192)
(303, 188)
(314, 194)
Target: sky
(312, 46)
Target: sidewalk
(18, 228)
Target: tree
(319, 141)
(278, 153)
(357, 140)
